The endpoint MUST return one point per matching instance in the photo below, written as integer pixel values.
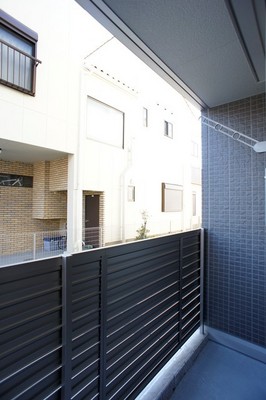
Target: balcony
(121, 322)
(17, 68)
(61, 318)
(101, 323)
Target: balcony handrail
(36, 60)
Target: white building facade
(86, 143)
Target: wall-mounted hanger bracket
(258, 147)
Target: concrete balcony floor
(220, 373)
(213, 366)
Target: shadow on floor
(220, 373)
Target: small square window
(145, 117)
(168, 129)
(17, 54)
(131, 193)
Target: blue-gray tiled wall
(234, 218)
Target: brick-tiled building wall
(17, 223)
(58, 174)
(234, 218)
(47, 204)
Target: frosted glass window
(105, 124)
(194, 204)
(196, 175)
(172, 197)
(131, 193)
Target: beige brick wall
(40, 170)
(17, 168)
(16, 204)
(58, 174)
(47, 204)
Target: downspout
(74, 198)
(77, 167)
(123, 191)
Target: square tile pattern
(234, 219)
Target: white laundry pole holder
(258, 147)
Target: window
(105, 124)
(168, 129)
(194, 149)
(16, 180)
(196, 175)
(172, 197)
(145, 117)
(17, 54)
(194, 204)
(131, 193)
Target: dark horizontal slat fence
(30, 330)
(98, 324)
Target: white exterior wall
(148, 159)
(56, 119)
(50, 118)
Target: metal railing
(35, 245)
(98, 324)
(92, 238)
(17, 68)
(15, 248)
(28, 246)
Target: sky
(109, 55)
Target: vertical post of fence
(103, 322)
(66, 326)
(202, 281)
(34, 246)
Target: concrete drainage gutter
(164, 383)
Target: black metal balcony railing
(98, 324)
(17, 68)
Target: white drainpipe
(123, 191)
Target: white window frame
(131, 193)
(105, 123)
(172, 197)
(194, 204)
(168, 129)
(145, 116)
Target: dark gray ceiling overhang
(211, 51)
